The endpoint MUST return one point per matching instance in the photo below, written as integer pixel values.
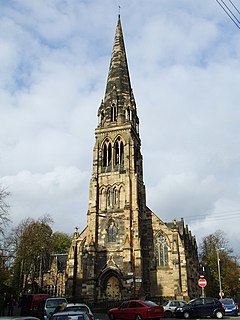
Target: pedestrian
(2, 302)
(10, 305)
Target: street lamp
(219, 274)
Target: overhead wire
(229, 12)
(214, 216)
(234, 6)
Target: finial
(119, 10)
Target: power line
(234, 6)
(229, 12)
(212, 216)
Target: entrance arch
(110, 284)
(113, 288)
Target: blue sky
(184, 61)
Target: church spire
(118, 76)
(118, 105)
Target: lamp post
(219, 274)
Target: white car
(170, 306)
(70, 315)
(79, 307)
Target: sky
(184, 63)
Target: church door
(113, 291)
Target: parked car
(29, 302)
(201, 307)
(137, 310)
(48, 306)
(170, 306)
(73, 315)
(230, 306)
(79, 307)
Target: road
(103, 316)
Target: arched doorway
(113, 288)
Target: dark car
(230, 306)
(137, 310)
(201, 307)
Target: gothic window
(114, 112)
(128, 114)
(161, 251)
(112, 232)
(114, 197)
(119, 152)
(107, 154)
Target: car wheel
(219, 314)
(138, 317)
(111, 316)
(186, 315)
(168, 314)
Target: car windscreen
(77, 308)
(227, 301)
(150, 303)
(54, 303)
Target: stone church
(126, 250)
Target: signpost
(202, 282)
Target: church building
(126, 250)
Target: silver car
(70, 315)
(80, 307)
(170, 306)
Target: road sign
(202, 282)
(221, 294)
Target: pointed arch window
(115, 197)
(161, 251)
(113, 112)
(128, 114)
(107, 154)
(112, 232)
(119, 153)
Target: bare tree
(4, 209)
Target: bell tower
(117, 193)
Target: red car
(136, 310)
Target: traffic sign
(202, 282)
